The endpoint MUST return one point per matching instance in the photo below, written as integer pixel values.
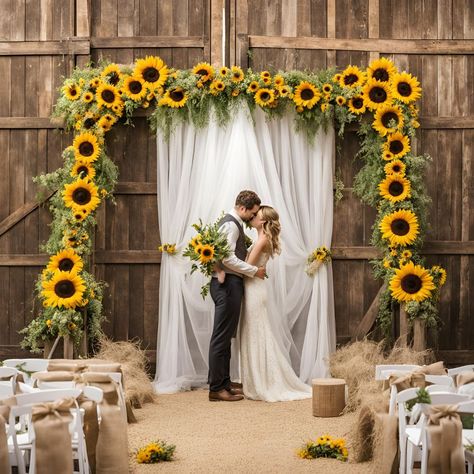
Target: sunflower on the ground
(264, 97)
(395, 188)
(107, 95)
(352, 77)
(111, 74)
(400, 228)
(81, 195)
(356, 105)
(152, 70)
(86, 147)
(405, 88)
(411, 283)
(381, 69)
(72, 91)
(388, 119)
(134, 88)
(174, 98)
(65, 289)
(237, 74)
(395, 167)
(82, 169)
(204, 71)
(376, 94)
(306, 95)
(397, 144)
(65, 261)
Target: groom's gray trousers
(227, 298)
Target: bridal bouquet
(324, 447)
(156, 451)
(316, 259)
(205, 249)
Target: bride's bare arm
(257, 249)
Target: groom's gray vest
(240, 248)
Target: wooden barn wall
(41, 41)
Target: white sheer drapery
(200, 172)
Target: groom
(227, 297)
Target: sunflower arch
(379, 98)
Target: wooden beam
(447, 122)
(20, 214)
(44, 48)
(135, 188)
(23, 260)
(369, 318)
(30, 123)
(398, 46)
(127, 257)
(217, 32)
(129, 42)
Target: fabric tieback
(53, 440)
(404, 382)
(464, 378)
(446, 454)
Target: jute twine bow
(464, 378)
(446, 453)
(53, 440)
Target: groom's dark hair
(247, 199)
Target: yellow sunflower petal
(395, 188)
(388, 119)
(65, 289)
(411, 283)
(86, 147)
(405, 88)
(400, 228)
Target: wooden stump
(329, 397)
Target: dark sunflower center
(265, 96)
(81, 196)
(88, 123)
(326, 89)
(395, 188)
(400, 227)
(396, 168)
(381, 74)
(108, 96)
(206, 252)
(350, 79)
(135, 87)
(83, 170)
(396, 146)
(377, 95)
(151, 74)
(64, 288)
(66, 264)
(177, 95)
(114, 78)
(202, 72)
(404, 89)
(307, 94)
(411, 284)
(73, 91)
(253, 86)
(357, 103)
(86, 148)
(388, 117)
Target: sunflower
(216, 86)
(356, 105)
(89, 120)
(381, 69)
(388, 119)
(152, 70)
(352, 77)
(65, 261)
(340, 100)
(376, 94)
(83, 169)
(237, 74)
(194, 242)
(267, 80)
(174, 98)
(285, 91)
(387, 156)
(253, 87)
(207, 253)
(264, 97)
(397, 144)
(88, 97)
(406, 88)
(80, 195)
(134, 88)
(395, 188)
(395, 167)
(400, 227)
(94, 83)
(64, 289)
(198, 248)
(86, 147)
(111, 74)
(337, 78)
(265, 75)
(118, 108)
(411, 283)
(79, 216)
(104, 124)
(406, 255)
(107, 95)
(279, 80)
(327, 88)
(72, 91)
(205, 72)
(441, 272)
(306, 95)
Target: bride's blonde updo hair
(271, 228)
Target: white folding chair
(26, 441)
(467, 389)
(383, 371)
(466, 407)
(440, 389)
(7, 387)
(413, 433)
(27, 366)
(458, 370)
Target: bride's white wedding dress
(265, 372)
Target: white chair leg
(409, 458)
(469, 468)
(403, 451)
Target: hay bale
(138, 387)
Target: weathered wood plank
(126, 257)
(40, 48)
(217, 31)
(147, 42)
(83, 27)
(23, 123)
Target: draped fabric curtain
(200, 172)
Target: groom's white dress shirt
(232, 262)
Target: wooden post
(84, 346)
(48, 346)
(68, 351)
(403, 338)
(419, 335)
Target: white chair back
(383, 371)
(440, 389)
(440, 380)
(8, 385)
(458, 370)
(467, 389)
(27, 366)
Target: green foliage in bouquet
(157, 451)
(206, 249)
(422, 396)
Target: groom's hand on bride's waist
(261, 273)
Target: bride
(266, 373)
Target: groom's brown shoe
(224, 396)
(236, 385)
(235, 391)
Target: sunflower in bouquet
(316, 259)
(206, 249)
